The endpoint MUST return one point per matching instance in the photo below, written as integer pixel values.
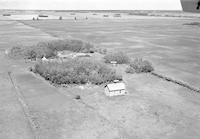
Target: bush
(49, 49)
(42, 49)
(130, 70)
(16, 51)
(101, 50)
(76, 71)
(140, 66)
(31, 54)
(119, 57)
(193, 24)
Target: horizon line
(93, 9)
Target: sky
(91, 4)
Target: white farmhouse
(115, 89)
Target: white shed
(115, 89)
(114, 63)
(44, 59)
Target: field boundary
(180, 83)
(26, 109)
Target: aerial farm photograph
(99, 69)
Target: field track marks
(25, 107)
(41, 30)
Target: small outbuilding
(81, 55)
(44, 59)
(114, 63)
(115, 89)
(67, 54)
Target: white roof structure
(113, 62)
(44, 59)
(67, 54)
(116, 86)
(81, 55)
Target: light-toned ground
(152, 109)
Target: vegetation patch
(105, 15)
(119, 57)
(139, 66)
(76, 71)
(101, 50)
(140, 13)
(6, 14)
(50, 49)
(193, 24)
(117, 15)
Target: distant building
(6, 14)
(41, 15)
(115, 89)
(114, 63)
(67, 54)
(81, 55)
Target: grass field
(171, 46)
(153, 108)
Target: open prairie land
(172, 46)
(32, 108)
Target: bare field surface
(153, 108)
